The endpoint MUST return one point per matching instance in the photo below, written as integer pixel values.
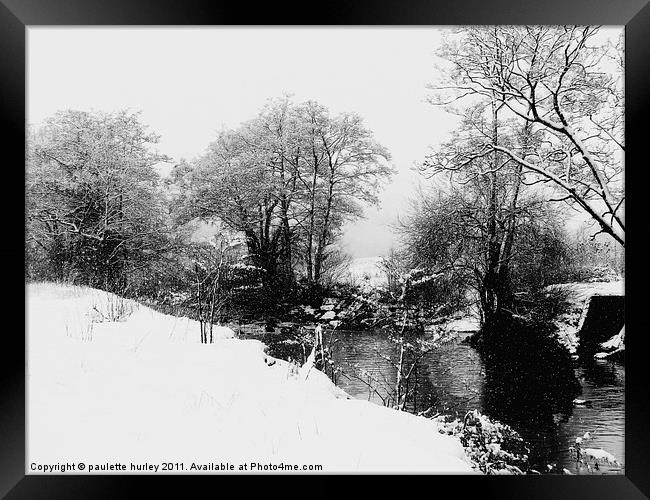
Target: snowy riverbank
(578, 296)
(145, 390)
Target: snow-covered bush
(493, 447)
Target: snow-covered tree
(288, 179)
(565, 83)
(93, 205)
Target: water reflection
(533, 392)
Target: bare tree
(340, 167)
(477, 214)
(565, 84)
(355, 166)
(288, 179)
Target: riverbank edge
(569, 324)
(100, 315)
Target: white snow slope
(145, 390)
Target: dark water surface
(535, 398)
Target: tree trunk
(286, 240)
(322, 240)
(198, 298)
(312, 222)
(491, 300)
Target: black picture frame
(17, 15)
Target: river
(534, 398)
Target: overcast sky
(191, 82)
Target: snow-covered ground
(578, 296)
(367, 271)
(145, 390)
(464, 323)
